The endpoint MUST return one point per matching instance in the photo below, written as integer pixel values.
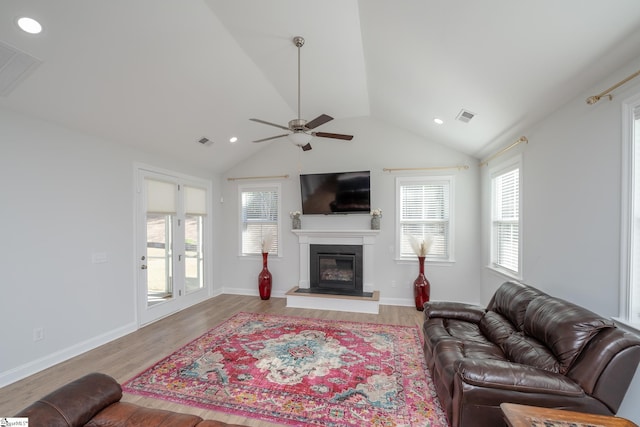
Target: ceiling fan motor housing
(298, 125)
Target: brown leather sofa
(529, 348)
(94, 401)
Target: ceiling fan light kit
(299, 138)
(299, 128)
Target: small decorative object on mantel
(376, 214)
(296, 223)
(265, 277)
(421, 286)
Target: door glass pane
(193, 253)
(159, 268)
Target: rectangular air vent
(205, 141)
(15, 66)
(465, 116)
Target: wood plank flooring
(129, 355)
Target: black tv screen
(335, 193)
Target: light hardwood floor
(127, 356)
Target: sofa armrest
(75, 403)
(453, 310)
(516, 377)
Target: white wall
(376, 146)
(571, 193)
(64, 197)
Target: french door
(171, 243)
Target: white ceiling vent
(205, 141)
(15, 66)
(465, 116)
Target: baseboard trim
(35, 366)
(402, 302)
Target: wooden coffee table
(533, 416)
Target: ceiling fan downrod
(299, 42)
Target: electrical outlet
(38, 334)
(99, 257)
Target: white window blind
(425, 210)
(506, 220)
(259, 219)
(161, 196)
(195, 200)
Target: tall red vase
(421, 287)
(264, 279)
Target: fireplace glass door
(336, 269)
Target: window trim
(498, 170)
(627, 176)
(401, 180)
(263, 185)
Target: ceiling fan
(299, 129)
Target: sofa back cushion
(496, 328)
(75, 403)
(563, 327)
(511, 300)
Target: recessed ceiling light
(233, 139)
(438, 121)
(29, 25)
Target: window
(630, 251)
(424, 209)
(260, 218)
(505, 220)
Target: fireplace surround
(363, 238)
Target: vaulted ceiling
(161, 74)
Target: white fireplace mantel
(366, 238)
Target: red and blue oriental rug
(301, 371)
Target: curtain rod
(426, 169)
(595, 98)
(258, 177)
(504, 150)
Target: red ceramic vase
(421, 287)
(264, 279)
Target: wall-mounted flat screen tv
(336, 193)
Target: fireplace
(336, 269)
(364, 239)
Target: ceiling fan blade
(333, 135)
(306, 147)
(270, 138)
(320, 120)
(270, 124)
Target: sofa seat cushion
(563, 327)
(516, 377)
(441, 329)
(527, 350)
(447, 353)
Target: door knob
(143, 266)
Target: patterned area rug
(301, 371)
